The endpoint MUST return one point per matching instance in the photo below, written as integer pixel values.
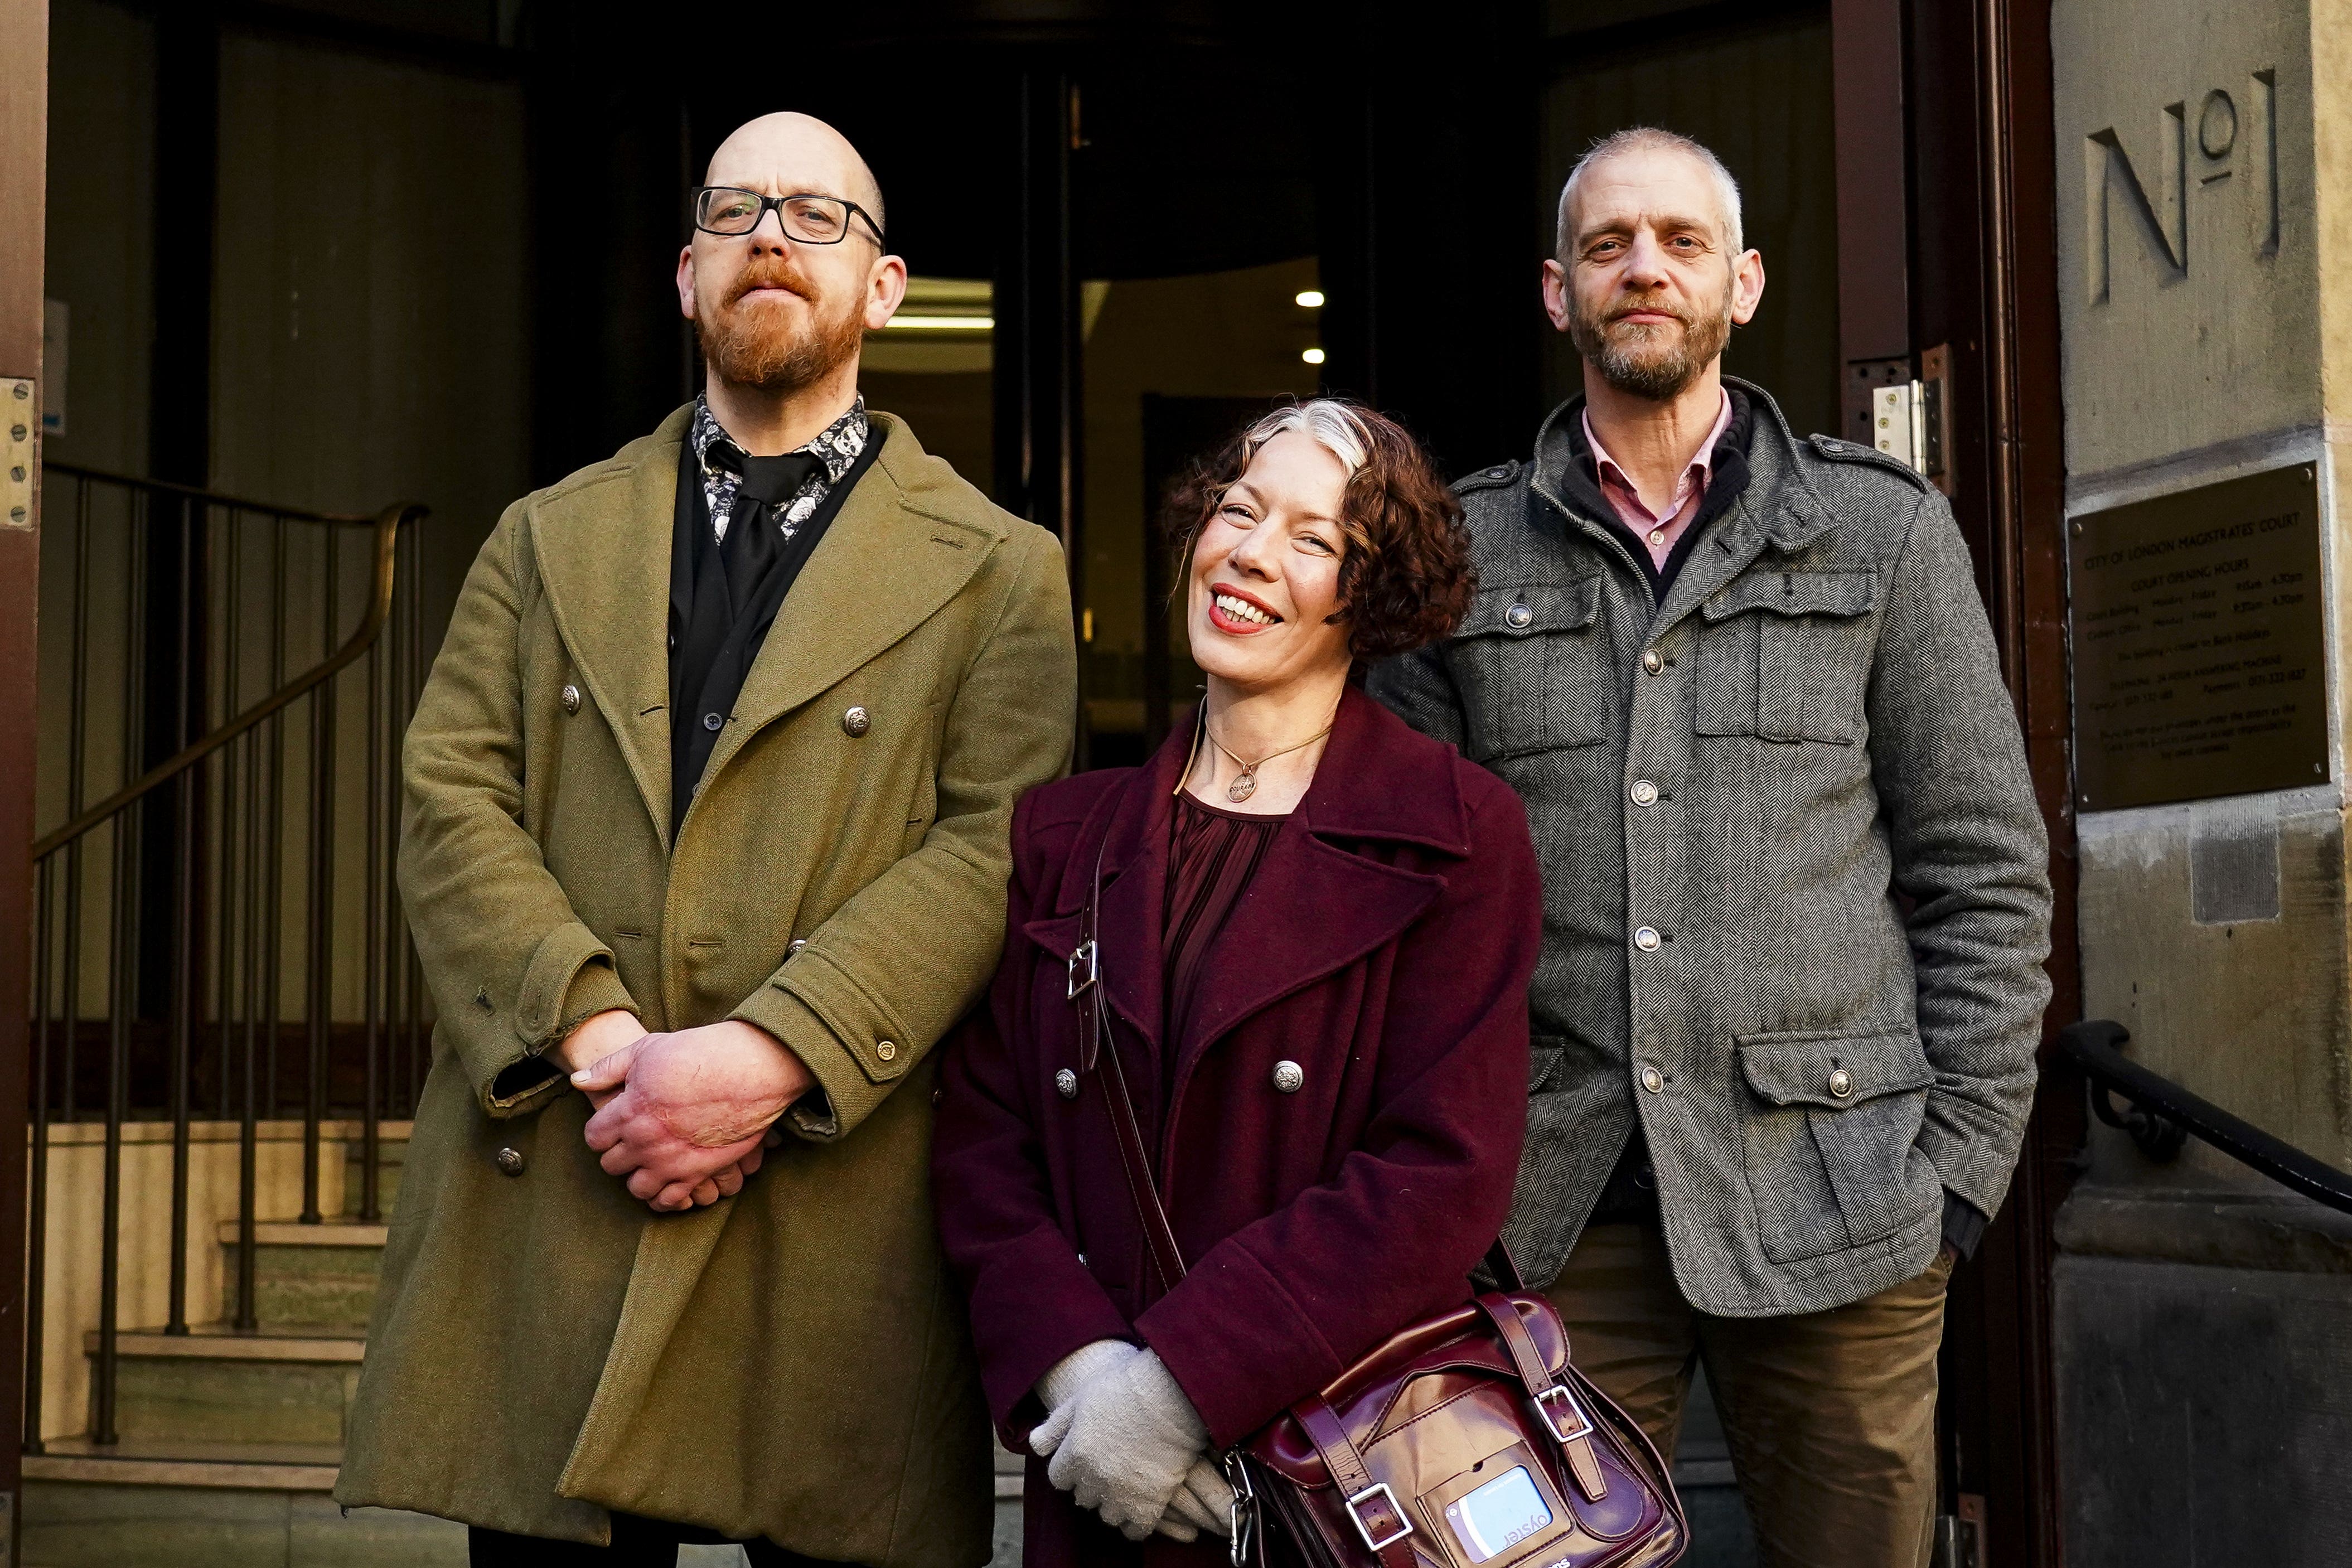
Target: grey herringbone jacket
(1732, 795)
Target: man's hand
(690, 1117)
(599, 1036)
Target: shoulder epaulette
(1491, 479)
(1838, 451)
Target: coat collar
(1314, 904)
(897, 552)
(1779, 507)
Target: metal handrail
(2164, 1115)
(387, 524)
(224, 889)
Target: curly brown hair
(1406, 579)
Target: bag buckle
(1083, 969)
(1575, 1425)
(1355, 1512)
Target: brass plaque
(2199, 656)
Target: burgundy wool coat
(1385, 946)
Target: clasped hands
(683, 1117)
(1122, 1439)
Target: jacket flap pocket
(1832, 1070)
(1529, 609)
(1794, 593)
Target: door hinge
(1960, 1537)
(1911, 421)
(20, 428)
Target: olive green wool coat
(791, 1363)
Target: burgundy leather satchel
(1468, 1441)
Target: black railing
(183, 620)
(2163, 1115)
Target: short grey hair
(1331, 423)
(1651, 138)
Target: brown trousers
(1830, 1416)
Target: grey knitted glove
(1059, 1387)
(1202, 1505)
(1122, 1444)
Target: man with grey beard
(705, 845)
(1796, 899)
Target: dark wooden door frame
(24, 179)
(1954, 244)
(1040, 356)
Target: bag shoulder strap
(1094, 1031)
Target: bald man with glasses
(704, 848)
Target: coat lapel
(1131, 825)
(603, 546)
(1779, 508)
(1313, 906)
(884, 566)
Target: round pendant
(1244, 785)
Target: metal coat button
(510, 1160)
(711, 721)
(1289, 1076)
(798, 943)
(570, 698)
(1654, 1080)
(1841, 1083)
(1646, 939)
(1065, 1084)
(885, 1050)
(1643, 792)
(856, 722)
(1651, 662)
(1518, 616)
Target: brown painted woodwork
(24, 173)
(1983, 280)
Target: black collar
(1580, 484)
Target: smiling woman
(1345, 911)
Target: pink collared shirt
(1658, 531)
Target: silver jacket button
(1654, 1080)
(570, 698)
(798, 943)
(856, 722)
(1643, 792)
(1647, 939)
(510, 1160)
(1651, 661)
(1518, 616)
(1841, 1083)
(1289, 1076)
(1065, 1084)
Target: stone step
(392, 1157)
(152, 1504)
(215, 1384)
(305, 1276)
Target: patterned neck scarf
(835, 448)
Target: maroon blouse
(1212, 855)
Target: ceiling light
(1311, 299)
(1312, 356)
(940, 323)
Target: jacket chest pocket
(1783, 656)
(1533, 671)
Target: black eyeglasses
(811, 220)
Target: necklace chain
(1244, 783)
